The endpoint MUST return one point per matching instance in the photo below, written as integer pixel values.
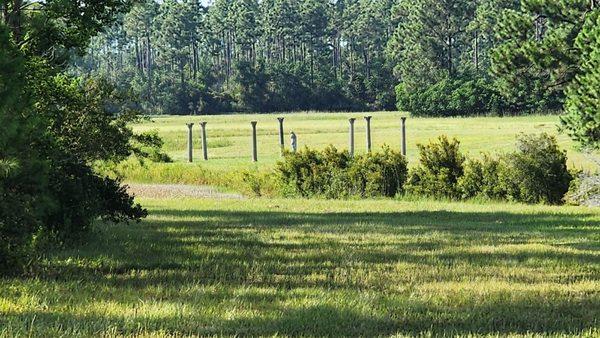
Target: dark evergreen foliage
(54, 128)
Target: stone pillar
(404, 136)
(204, 143)
(254, 142)
(351, 140)
(190, 143)
(368, 119)
(281, 137)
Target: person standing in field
(294, 141)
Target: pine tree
(430, 38)
(582, 107)
(538, 45)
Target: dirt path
(178, 191)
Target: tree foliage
(554, 45)
(55, 127)
(430, 57)
(249, 55)
(582, 107)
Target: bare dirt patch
(169, 191)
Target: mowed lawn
(229, 136)
(320, 268)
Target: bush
(48, 186)
(80, 196)
(480, 179)
(537, 172)
(309, 172)
(335, 174)
(23, 183)
(378, 174)
(440, 168)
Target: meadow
(268, 267)
(229, 136)
(224, 265)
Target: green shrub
(378, 174)
(311, 172)
(537, 172)
(335, 174)
(480, 179)
(440, 168)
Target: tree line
(431, 57)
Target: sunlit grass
(230, 135)
(320, 268)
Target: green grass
(230, 135)
(273, 267)
(320, 268)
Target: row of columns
(368, 134)
(282, 138)
(191, 141)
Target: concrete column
(368, 119)
(351, 140)
(281, 137)
(204, 143)
(254, 142)
(404, 136)
(190, 143)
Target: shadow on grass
(325, 320)
(495, 222)
(341, 252)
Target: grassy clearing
(229, 135)
(321, 268)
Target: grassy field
(229, 136)
(320, 268)
(283, 267)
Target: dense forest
(430, 57)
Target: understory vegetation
(336, 174)
(535, 173)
